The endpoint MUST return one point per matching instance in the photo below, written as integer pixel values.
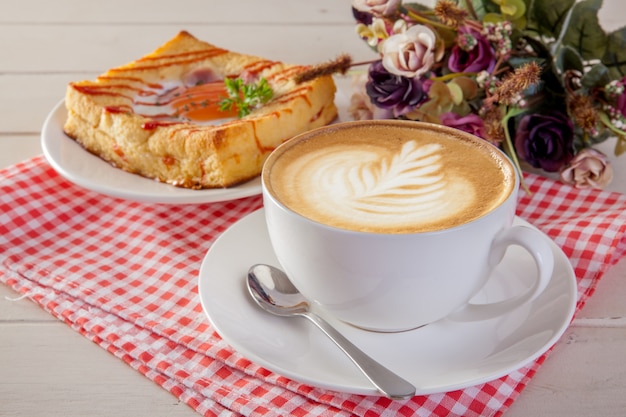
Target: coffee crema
(389, 177)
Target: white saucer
(440, 357)
(77, 165)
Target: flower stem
(508, 144)
(470, 8)
(421, 19)
(564, 28)
(454, 75)
(356, 64)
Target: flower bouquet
(540, 79)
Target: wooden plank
(47, 368)
(188, 11)
(81, 48)
(28, 99)
(16, 309)
(13, 149)
(584, 376)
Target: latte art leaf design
(410, 181)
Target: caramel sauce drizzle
(257, 141)
(285, 74)
(153, 124)
(132, 79)
(98, 90)
(259, 66)
(294, 94)
(149, 62)
(118, 109)
(123, 82)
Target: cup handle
(536, 244)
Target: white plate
(77, 165)
(82, 168)
(440, 357)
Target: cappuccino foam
(389, 178)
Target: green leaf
(568, 58)
(513, 9)
(530, 18)
(482, 7)
(548, 16)
(597, 76)
(584, 32)
(245, 97)
(615, 53)
(456, 93)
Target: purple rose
(393, 92)
(472, 53)
(545, 141)
(470, 123)
(362, 17)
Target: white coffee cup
(392, 225)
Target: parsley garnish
(245, 97)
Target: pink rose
(411, 53)
(377, 7)
(471, 56)
(470, 123)
(589, 169)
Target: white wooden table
(47, 368)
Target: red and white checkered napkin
(124, 274)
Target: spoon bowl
(278, 296)
(272, 290)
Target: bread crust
(102, 116)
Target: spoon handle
(387, 382)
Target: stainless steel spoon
(273, 291)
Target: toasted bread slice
(157, 116)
